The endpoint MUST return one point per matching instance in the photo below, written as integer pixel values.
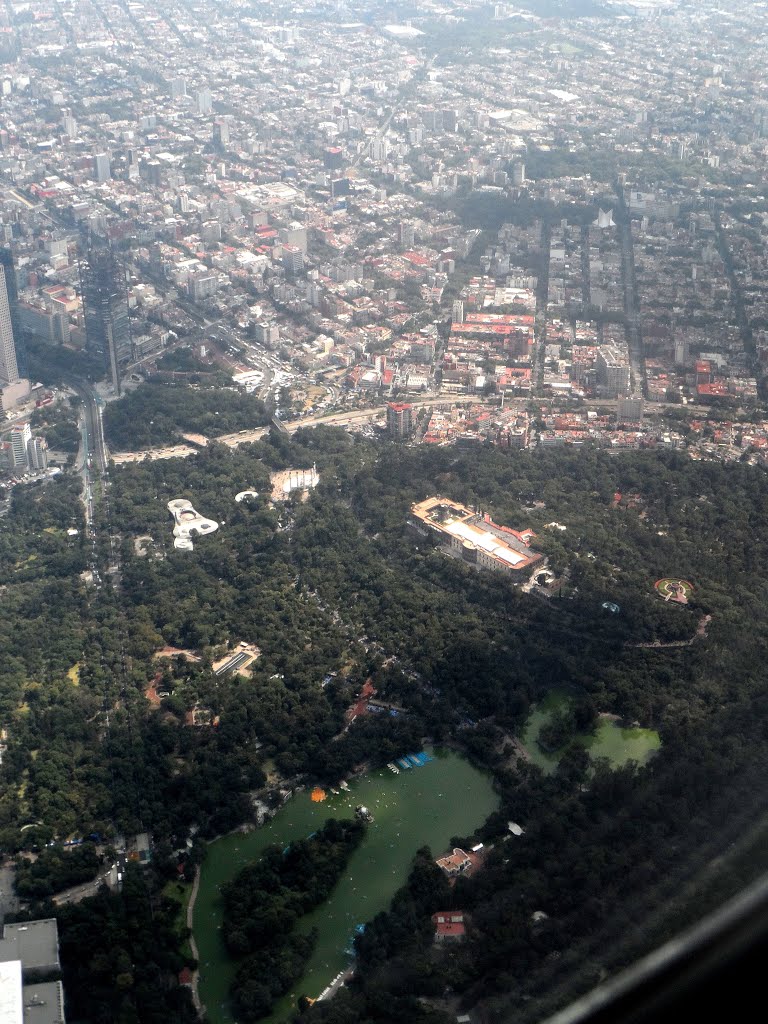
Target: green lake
(608, 740)
(419, 807)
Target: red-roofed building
(514, 379)
(710, 392)
(417, 259)
(455, 863)
(449, 927)
(399, 419)
(703, 371)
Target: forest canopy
(339, 589)
(263, 904)
(158, 414)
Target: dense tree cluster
(59, 425)
(262, 978)
(158, 414)
(55, 869)
(54, 364)
(566, 723)
(118, 957)
(263, 904)
(339, 589)
(39, 547)
(182, 359)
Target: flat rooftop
(35, 943)
(454, 520)
(433, 509)
(10, 992)
(44, 1004)
(485, 541)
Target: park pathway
(193, 945)
(700, 634)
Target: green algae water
(419, 807)
(608, 740)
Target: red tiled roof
(449, 925)
(714, 390)
(417, 259)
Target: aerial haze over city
(383, 448)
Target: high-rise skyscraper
(9, 367)
(378, 150)
(613, 373)
(406, 234)
(101, 167)
(37, 454)
(221, 132)
(105, 308)
(9, 266)
(399, 420)
(682, 351)
(629, 409)
(21, 435)
(177, 88)
(204, 101)
(333, 158)
(68, 123)
(293, 259)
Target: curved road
(341, 419)
(247, 436)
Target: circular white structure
(246, 494)
(189, 523)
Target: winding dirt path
(700, 634)
(193, 945)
